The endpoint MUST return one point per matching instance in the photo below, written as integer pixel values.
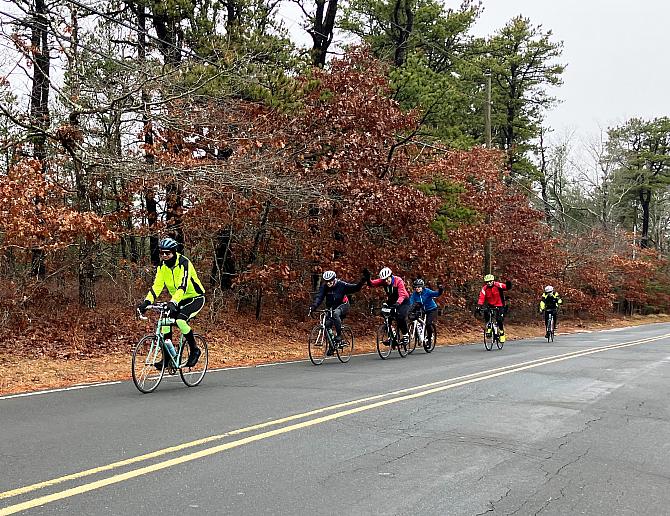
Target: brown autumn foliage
(343, 183)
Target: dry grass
(247, 344)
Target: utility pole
(488, 246)
(487, 111)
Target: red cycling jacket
(395, 292)
(492, 295)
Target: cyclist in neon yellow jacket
(176, 272)
(549, 302)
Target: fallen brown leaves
(38, 360)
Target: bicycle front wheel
(146, 353)
(413, 341)
(498, 342)
(193, 375)
(345, 349)
(317, 345)
(403, 349)
(488, 338)
(383, 342)
(429, 343)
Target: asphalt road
(580, 426)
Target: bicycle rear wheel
(488, 339)
(193, 375)
(429, 343)
(317, 345)
(550, 328)
(146, 353)
(383, 342)
(346, 349)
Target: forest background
(419, 146)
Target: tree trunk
(223, 268)
(149, 195)
(404, 27)
(39, 105)
(87, 274)
(85, 194)
(322, 30)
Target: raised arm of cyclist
(177, 274)
(396, 296)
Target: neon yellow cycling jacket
(181, 281)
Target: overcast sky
(616, 53)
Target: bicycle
(418, 334)
(491, 330)
(387, 335)
(550, 325)
(322, 339)
(151, 349)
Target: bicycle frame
(492, 322)
(550, 325)
(148, 350)
(491, 329)
(419, 327)
(387, 314)
(324, 317)
(388, 335)
(322, 334)
(164, 320)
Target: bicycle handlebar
(157, 307)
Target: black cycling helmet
(168, 244)
(419, 283)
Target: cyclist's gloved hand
(366, 274)
(142, 307)
(173, 309)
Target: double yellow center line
(338, 411)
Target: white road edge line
(62, 389)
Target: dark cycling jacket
(550, 301)
(425, 299)
(181, 281)
(337, 294)
(395, 292)
(493, 295)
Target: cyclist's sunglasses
(165, 253)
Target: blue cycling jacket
(425, 298)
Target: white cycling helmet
(548, 289)
(385, 273)
(328, 275)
